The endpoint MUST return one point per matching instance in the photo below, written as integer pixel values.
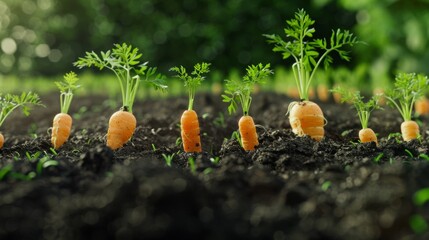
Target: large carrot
(10, 102)
(305, 52)
(124, 61)
(190, 128)
(62, 122)
(239, 90)
(408, 87)
(363, 109)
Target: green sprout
(408, 87)
(67, 86)
(305, 52)
(240, 90)
(168, 158)
(124, 61)
(193, 80)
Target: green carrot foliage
(67, 86)
(10, 102)
(308, 54)
(193, 80)
(124, 61)
(363, 109)
(408, 87)
(239, 90)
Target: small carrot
(122, 125)
(240, 90)
(408, 87)
(421, 106)
(124, 61)
(190, 131)
(62, 122)
(190, 128)
(306, 118)
(363, 109)
(9, 103)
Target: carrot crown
(363, 109)
(309, 54)
(67, 86)
(10, 102)
(193, 80)
(124, 61)
(408, 87)
(239, 90)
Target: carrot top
(305, 51)
(408, 87)
(363, 109)
(124, 61)
(193, 80)
(240, 89)
(10, 102)
(67, 86)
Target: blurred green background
(40, 38)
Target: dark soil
(288, 188)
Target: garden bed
(288, 188)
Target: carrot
(240, 90)
(62, 123)
(1, 140)
(421, 106)
(408, 87)
(322, 92)
(190, 131)
(306, 118)
(124, 61)
(249, 137)
(61, 129)
(367, 135)
(190, 128)
(122, 125)
(409, 130)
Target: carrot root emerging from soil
(1, 140)
(367, 135)
(122, 125)
(249, 137)
(190, 131)
(61, 129)
(409, 130)
(306, 118)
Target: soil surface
(288, 188)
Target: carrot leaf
(67, 86)
(309, 53)
(124, 61)
(408, 87)
(193, 80)
(239, 90)
(10, 102)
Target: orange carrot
(322, 92)
(121, 128)
(421, 106)
(409, 130)
(61, 129)
(306, 118)
(1, 140)
(190, 131)
(367, 135)
(249, 137)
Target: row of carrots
(306, 117)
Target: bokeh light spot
(42, 50)
(8, 46)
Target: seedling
(63, 121)
(409, 153)
(215, 160)
(408, 87)
(308, 55)
(45, 162)
(4, 171)
(192, 165)
(363, 109)
(124, 61)
(238, 91)
(424, 156)
(326, 185)
(378, 157)
(190, 127)
(168, 158)
(10, 102)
